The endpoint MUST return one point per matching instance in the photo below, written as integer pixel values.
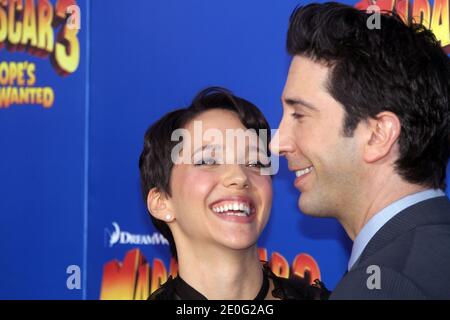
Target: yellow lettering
(29, 24)
(3, 26)
(14, 27)
(45, 35)
(66, 56)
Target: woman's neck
(222, 273)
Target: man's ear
(384, 133)
(158, 205)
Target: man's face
(326, 164)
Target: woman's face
(220, 198)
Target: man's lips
(302, 172)
(299, 171)
(301, 175)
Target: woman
(211, 199)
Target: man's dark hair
(155, 163)
(399, 68)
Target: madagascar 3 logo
(43, 30)
(134, 279)
(436, 17)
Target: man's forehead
(307, 70)
(306, 80)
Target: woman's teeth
(302, 172)
(233, 209)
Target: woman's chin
(239, 242)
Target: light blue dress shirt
(382, 217)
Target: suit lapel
(431, 211)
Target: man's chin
(303, 205)
(311, 208)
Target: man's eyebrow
(299, 102)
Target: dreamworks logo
(124, 237)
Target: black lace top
(284, 289)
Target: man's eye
(207, 162)
(296, 115)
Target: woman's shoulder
(297, 288)
(165, 292)
(284, 289)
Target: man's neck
(222, 273)
(378, 196)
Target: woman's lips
(236, 209)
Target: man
(365, 128)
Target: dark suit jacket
(412, 251)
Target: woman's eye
(258, 164)
(207, 162)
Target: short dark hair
(399, 67)
(155, 163)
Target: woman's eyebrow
(256, 148)
(207, 146)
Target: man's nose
(282, 142)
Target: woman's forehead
(220, 119)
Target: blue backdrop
(69, 192)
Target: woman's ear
(158, 205)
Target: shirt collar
(383, 216)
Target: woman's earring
(168, 217)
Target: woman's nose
(236, 176)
